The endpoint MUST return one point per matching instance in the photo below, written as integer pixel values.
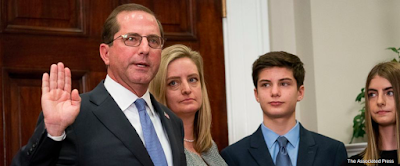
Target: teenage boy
(281, 140)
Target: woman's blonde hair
(391, 72)
(158, 87)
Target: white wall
(246, 37)
(339, 42)
(349, 38)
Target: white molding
(246, 36)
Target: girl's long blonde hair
(391, 72)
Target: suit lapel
(166, 123)
(115, 120)
(259, 150)
(307, 148)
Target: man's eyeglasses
(134, 40)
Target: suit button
(34, 145)
(31, 150)
(28, 153)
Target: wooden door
(37, 33)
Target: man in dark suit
(119, 122)
(281, 140)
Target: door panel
(37, 33)
(45, 16)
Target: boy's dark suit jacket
(314, 150)
(100, 135)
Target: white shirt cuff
(57, 138)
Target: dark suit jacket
(314, 150)
(100, 135)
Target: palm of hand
(59, 109)
(60, 105)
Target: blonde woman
(382, 114)
(179, 84)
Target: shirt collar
(270, 136)
(124, 97)
(294, 135)
(146, 98)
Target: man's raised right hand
(60, 105)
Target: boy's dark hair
(279, 59)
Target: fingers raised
(68, 82)
(45, 83)
(53, 77)
(60, 74)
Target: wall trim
(246, 37)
